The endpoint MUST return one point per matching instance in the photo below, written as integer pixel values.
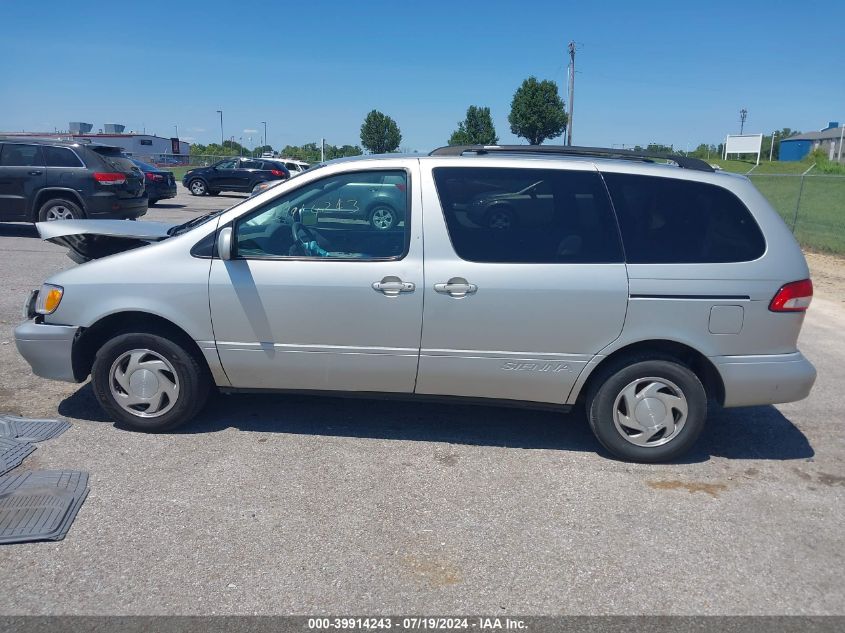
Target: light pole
(772, 146)
(220, 112)
(176, 127)
(265, 132)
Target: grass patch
(178, 172)
(765, 167)
(820, 223)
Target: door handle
(456, 287)
(35, 173)
(393, 286)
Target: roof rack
(685, 162)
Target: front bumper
(48, 349)
(765, 379)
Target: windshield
(144, 166)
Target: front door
(315, 303)
(515, 309)
(22, 174)
(225, 174)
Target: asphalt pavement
(305, 505)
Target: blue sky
(669, 72)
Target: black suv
(42, 180)
(233, 174)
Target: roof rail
(686, 162)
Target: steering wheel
(306, 239)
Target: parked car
(378, 199)
(45, 179)
(295, 166)
(646, 291)
(233, 174)
(160, 183)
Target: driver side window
(353, 216)
(228, 164)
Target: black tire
(197, 187)
(500, 217)
(60, 207)
(193, 381)
(613, 380)
(383, 217)
(213, 192)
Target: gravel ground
(314, 505)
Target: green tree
(379, 133)
(261, 149)
(537, 111)
(476, 129)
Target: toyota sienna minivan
(639, 289)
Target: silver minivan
(636, 289)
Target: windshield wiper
(187, 226)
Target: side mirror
(224, 243)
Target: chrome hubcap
(59, 212)
(197, 187)
(499, 220)
(144, 383)
(382, 218)
(650, 411)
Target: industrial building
(146, 147)
(829, 140)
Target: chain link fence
(813, 206)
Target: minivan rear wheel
(197, 187)
(147, 382)
(647, 410)
(59, 209)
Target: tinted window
(668, 221)
(116, 159)
(331, 218)
(227, 164)
(15, 155)
(61, 157)
(539, 216)
(254, 164)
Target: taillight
(793, 297)
(153, 177)
(109, 178)
(277, 172)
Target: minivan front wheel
(197, 187)
(59, 209)
(147, 382)
(647, 410)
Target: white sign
(744, 144)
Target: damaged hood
(93, 239)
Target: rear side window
(61, 157)
(669, 221)
(19, 155)
(537, 216)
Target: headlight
(49, 298)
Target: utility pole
(322, 150)
(265, 132)
(220, 112)
(742, 116)
(571, 92)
